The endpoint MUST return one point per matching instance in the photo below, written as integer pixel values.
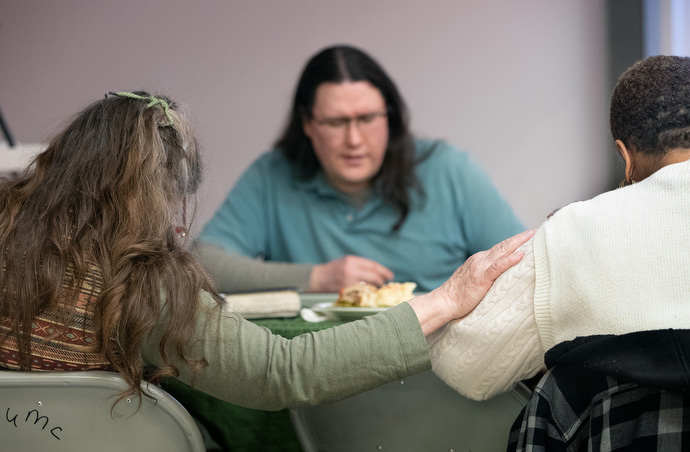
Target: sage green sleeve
(234, 272)
(251, 367)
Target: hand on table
(463, 291)
(346, 271)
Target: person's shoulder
(439, 149)
(271, 158)
(584, 211)
(269, 171)
(439, 154)
(272, 162)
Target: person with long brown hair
(96, 274)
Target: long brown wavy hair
(105, 198)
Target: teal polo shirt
(270, 214)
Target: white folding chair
(73, 411)
(419, 413)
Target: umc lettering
(37, 418)
(13, 420)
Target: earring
(628, 180)
(181, 231)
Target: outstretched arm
(498, 344)
(463, 291)
(249, 366)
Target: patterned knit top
(54, 345)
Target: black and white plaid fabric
(577, 410)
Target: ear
(627, 157)
(307, 126)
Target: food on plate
(364, 295)
(359, 295)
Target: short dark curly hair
(650, 105)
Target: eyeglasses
(340, 123)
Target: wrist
(432, 311)
(314, 279)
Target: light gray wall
(521, 85)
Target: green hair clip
(152, 101)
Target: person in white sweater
(615, 264)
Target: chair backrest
(418, 413)
(73, 411)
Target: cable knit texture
(497, 344)
(615, 264)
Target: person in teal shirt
(349, 195)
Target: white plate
(344, 313)
(310, 299)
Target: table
(240, 429)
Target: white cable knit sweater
(614, 264)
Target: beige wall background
(521, 85)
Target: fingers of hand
(503, 255)
(361, 269)
(377, 274)
(502, 264)
(511, 244)
(383, 273)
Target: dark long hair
(342, 64)
(102, 202)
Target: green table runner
(240, 429)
